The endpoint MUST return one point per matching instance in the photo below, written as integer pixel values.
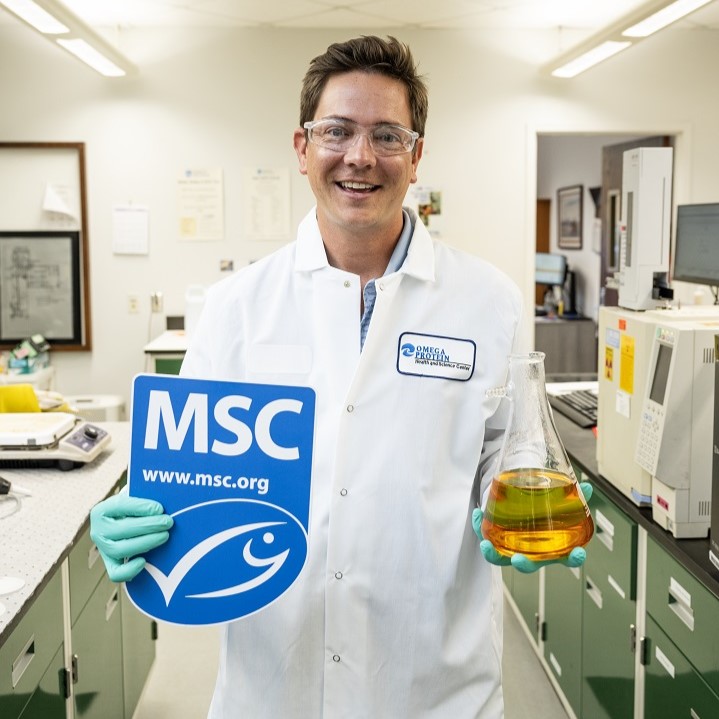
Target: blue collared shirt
(395, 262)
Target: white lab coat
(395, 615)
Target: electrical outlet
(156, 302)
(133, 304)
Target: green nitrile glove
(519, 561)
(123, 527)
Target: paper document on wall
(201, 205)
(266, 203)
(130, 230)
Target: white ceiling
(585, 15)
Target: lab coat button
(338, 575)
(350, 408)
(336, 658)
(343, 492)
(348, 283)
(381, 286)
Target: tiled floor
(182, 678)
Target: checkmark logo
(168, 583)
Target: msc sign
(231, 462)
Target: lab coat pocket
(276, 359)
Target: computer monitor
(696, 251)
(550, 269)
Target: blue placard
(231, 462)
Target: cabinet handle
(112, 603)
(693, 714)
(75, 664)
(594, 592)
(678, 604)
(22, 661)
(92, 556)
(605, 530)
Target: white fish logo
(168, 583)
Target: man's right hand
(123, 527)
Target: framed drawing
(569, 217)
(44, 245)
(40, 286)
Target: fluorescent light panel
(619, 36)
(590, 58)
(90, 56)
(52, 18)
(662, 18)
(36, 16)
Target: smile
(358, 186)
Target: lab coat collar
(310, 253)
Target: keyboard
(579, 405)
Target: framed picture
(40, 288)
(569, 218)
(44, 245)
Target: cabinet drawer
(613, 548)
(672, 688)
(686, 611)
(28, 651)
(86, 570)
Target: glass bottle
(535, 506)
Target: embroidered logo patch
(435, 356)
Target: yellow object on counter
(18, 398)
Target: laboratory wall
(229, 99)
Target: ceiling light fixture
(58, 24)
(662, 18)
(627, 31)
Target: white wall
(230, 99)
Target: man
(395, 614)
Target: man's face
(367, 99)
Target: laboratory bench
(634, 632)
(166, 352)
(71, 643)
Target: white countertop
(174, 341)
(35, 539)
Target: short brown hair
(367, 54)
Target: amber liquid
(536, 512)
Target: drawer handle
(693, 714)
(20, 665)
(594, 592)
(679, 606)
(92, 556)
(112, 603)
(605, 530)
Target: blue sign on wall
(231, 462)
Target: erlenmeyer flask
(534, 506)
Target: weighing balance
(48, 439)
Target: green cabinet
(138, 651)
(27, 659)
(525, 592)
(682, 640)
(113, 643)
(48, 700)
(112, 646)
(562, 632)
(673, 688)
(97, 655)
(609, 614)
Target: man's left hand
(519, 561)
